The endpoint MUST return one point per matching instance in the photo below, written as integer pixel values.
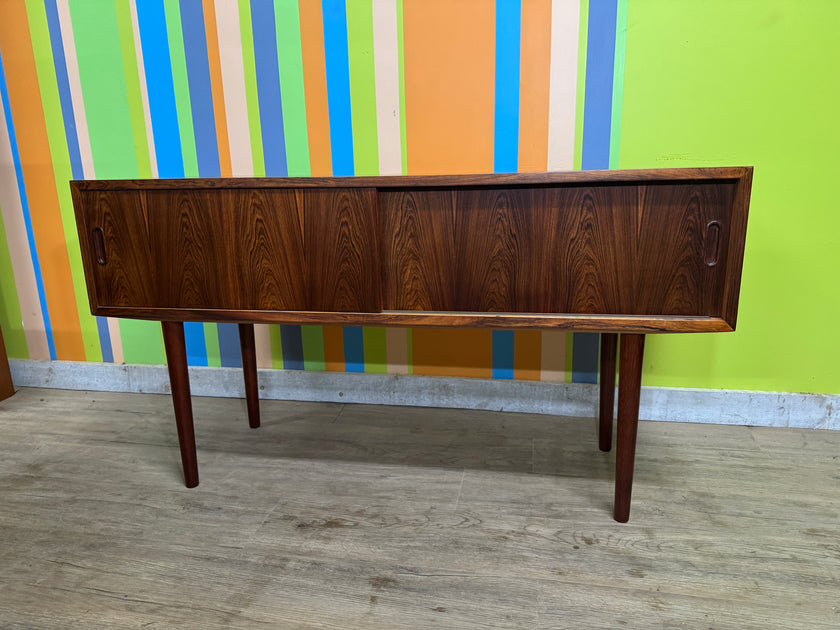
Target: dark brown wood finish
(609, 342)
(630, 252)
(629, 390)
(342, 251)
(179, 379)
(248, 347)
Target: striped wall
(204, 88)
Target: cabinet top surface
(638, 176)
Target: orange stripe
(534, 73)
(526, 355)
(39, 179)
(215, 64)
(453, 352)
(315, 90)
(333, 349)
(449, 54)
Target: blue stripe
(229, 349)
(30, 234)
(64, 91)
(151, 21)
(105, 339)
(597, 107)
(506, 151)
(291, 340)
(268, 87)
(595, 152)
(503, 354)
(354, 349)
(338, 87)
(201, 93)
(196, 343)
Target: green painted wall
(724, 82)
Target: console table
(613, 252)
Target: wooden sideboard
(614, 252)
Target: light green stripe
(251, 96)
(401, 55)
(111, 139)
(211, 340)
(362, 87)
(581, 92)
(142, 342)
(132, 83)
(313, 348)
(62, 171)
(104, 89)
(618, 81)
(292, 95)
(178, 61)
(276, 347)
(375, 350)
(11, 320)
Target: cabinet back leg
(609, 341)
(249, 367)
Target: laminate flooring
(359, 516)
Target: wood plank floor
(355, 516)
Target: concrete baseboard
(813, 411)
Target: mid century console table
(613, 252)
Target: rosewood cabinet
(615, 252)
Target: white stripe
(386, 68)
(262, 341)
(233, 84)
(75, 81)
(21, 257)
(116, 340)
(144, 94)
(553, 355)
(565, 26)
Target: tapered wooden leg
(629, 388)
(249, 367)
(179, 380)
(605, 417)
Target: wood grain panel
(237, 249)
(671, 274)
(128, 277)
(500, 247)
(418, 250)
(342, 250)
(591, 270)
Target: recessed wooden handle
(712, 248)
(99, 246)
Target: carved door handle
(99, 246)
(712, 247)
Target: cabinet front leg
(629, 389)
(179, 380)
(609, 342)
(249, 367)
